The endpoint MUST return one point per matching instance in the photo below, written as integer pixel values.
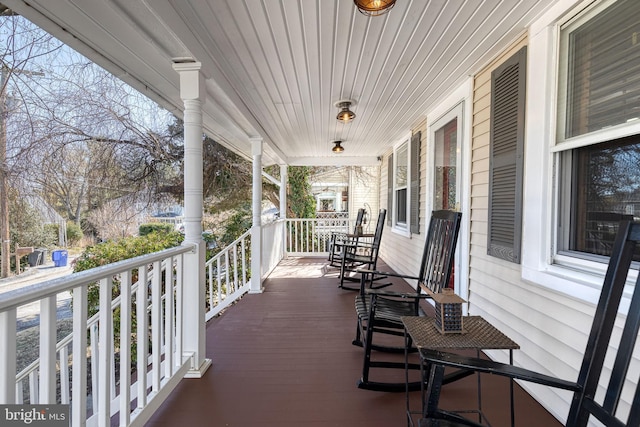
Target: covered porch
(284, 358)
(265, 79)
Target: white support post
(192, 93)
(48, 351)
(105, 333)
(79, 379)
(8, 357)
(256, 229)
(284, 179)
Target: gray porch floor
(284, 358)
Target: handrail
(91, 322)
(227, 275)
(229, 247)
(38, 291)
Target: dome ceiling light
(374, 7)
(337, 147)
(345, 115)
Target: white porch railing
(273, 245)
(123, 360)
(133, 355)
(311, 236)
(227, 275)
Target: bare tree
(19, 48)
(81, 137)
(115, 219)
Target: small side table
(478, 335)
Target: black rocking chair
(338, 240)
(380, 311)
(361, 252)
(585, 405)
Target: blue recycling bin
(59, 258)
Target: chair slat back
(584, 404)
(439, 249)
(372, 243)
(359, 219)
(377, 236)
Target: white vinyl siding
(364, 186)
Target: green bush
(27, 226)
(74, 233)
(113, 251)
(236, 225)
(154, 227)
(128, 247)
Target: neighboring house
(167, 212)
(347, 189)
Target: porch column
(193, 333)
(283, 191)
(284, 179)
(256, 229)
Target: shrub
(74, 233)
(27, 226)
(155, 227)
(236, 225)
(113, 251)
(128, 247)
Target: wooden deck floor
(284, 358)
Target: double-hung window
(400, 187)
(598, 131)
(403, 203)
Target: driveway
(29, 315)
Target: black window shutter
(506, 158)
(390, 172)
(415, 183)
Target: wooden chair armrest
(343, 241)
(385, 293)
(386, 273)
(360, 235)
(496, 368)
(352, 244)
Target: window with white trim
(400, 186)
(598, 133)
(403, 186)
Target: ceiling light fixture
(337, 147)
(345, 115)
(374, 7)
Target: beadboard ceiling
(275, 68)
